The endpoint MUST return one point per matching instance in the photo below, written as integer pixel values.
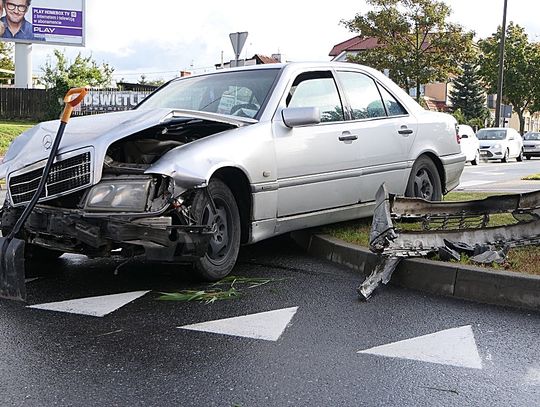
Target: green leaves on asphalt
(225, 289)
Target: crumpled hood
(98, 131)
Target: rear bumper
(453, 167)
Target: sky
(159, 39)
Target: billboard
(60, 22)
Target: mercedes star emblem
(47, 141)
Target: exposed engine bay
(138, 213)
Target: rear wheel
(528, 157)
(224, 245)
(424, 181)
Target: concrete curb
(448, 279)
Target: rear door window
(367, 100)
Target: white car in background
(499, 143)
(531, 144)
(470, 146)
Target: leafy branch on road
(224, 289)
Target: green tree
(6, 59)
(468, 95)
(521, 69)
(62, 75)
(416, 42)
(535, 83)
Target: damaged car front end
(120, 199)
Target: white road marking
(29, 280)
(264, 325)
(92, 306)
(473, 183)
(454, 347)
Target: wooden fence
(23, 104)
(39, 104)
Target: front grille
(65, 176)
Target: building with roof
(256, 59)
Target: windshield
(532, 136)
(488, 134)
(237, 93)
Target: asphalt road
(137, 355)
(296, 343)
(500, 177)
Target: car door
(316, 164)
(385, 132)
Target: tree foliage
(83, 71)
(6, 59)
(521, 87)
(62, 75)
(468, 95)
(417, 44)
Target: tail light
(458, 139)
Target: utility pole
(501, 69)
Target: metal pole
(501, 69)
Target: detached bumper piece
(449, 229)
(69, 231)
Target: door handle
(405, 131)
(347, 136)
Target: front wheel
(424, 181)
(505, 157)
(476, 158)
(224, 245)
(519, 158)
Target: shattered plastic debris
(450, 229)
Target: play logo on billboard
(47, 21)
(57, 22)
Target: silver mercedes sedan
(210, 162)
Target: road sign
(238, 40)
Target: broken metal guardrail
(449, 229)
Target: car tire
(476, 158)
(224, 245)
(505, 157)
(424, 181)
(519, 158)
(528, 157)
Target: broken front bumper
(449, 230)
(75, 231)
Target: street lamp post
(501, 69)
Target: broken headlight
(119, 195)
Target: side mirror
(300, 116)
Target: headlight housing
(119, 195)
